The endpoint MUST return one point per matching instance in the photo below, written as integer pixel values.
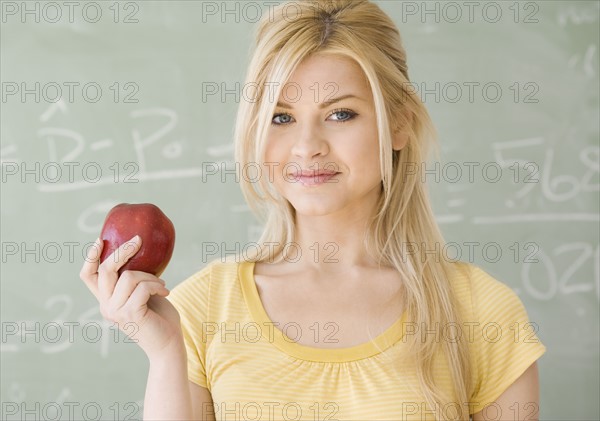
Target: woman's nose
(310, 141)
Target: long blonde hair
(361, 31)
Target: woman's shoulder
(481, 290)
(465, 275)
(212, 280)
(219, 273)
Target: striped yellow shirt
(255, 371)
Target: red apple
(125, 221)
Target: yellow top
(255, 371)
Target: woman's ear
(400, 139)
(400, 136)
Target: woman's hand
(135, 300)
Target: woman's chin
(314, 208)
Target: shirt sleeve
(505, 341)
(191, 298)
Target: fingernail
(136, 238)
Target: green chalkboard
(135, 101)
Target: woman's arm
(167, 391)
(519, 402)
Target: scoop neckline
(379, 344)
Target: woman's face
(309, 132)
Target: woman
(347, 309)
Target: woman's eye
(345, 115)
(342, 115)
(283, 119)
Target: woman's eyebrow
(334, 100)
(324, 103)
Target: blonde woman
(346, 309)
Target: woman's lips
(313, 179)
